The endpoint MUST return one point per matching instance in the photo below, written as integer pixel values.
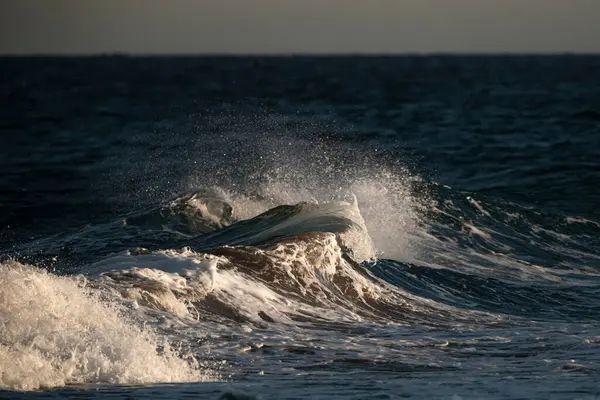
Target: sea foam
(54, 331)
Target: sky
(298, 26)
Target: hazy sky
(298, 26)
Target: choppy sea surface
(300, 227)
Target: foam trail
(53, 333)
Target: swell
(538, 301)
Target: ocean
(296, 227)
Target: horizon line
(299, 54)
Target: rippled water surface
(300, 227)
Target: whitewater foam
(55, 331)
(295, 277)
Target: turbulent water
(333, 227)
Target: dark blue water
(300, 227)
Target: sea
(300, 227)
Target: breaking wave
(56, 331)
